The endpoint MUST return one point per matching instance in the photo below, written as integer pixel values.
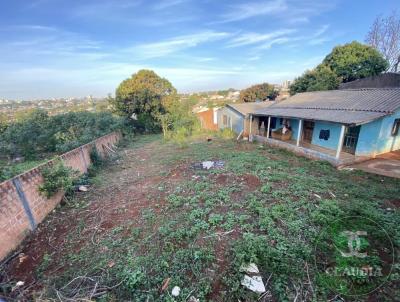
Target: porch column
(340, 144)
(299, 132)
(269, 125)
(250, 135)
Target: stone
(83, 188)
(176, 291)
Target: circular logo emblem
(353, 256)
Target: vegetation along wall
(23, 207)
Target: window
(396, 127)
(224, 120)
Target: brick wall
(22, 207)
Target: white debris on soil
(83, 188)
(20, 283)
(193, 299)
(207, 164)
(255, 282)
(251, 268)
(176, 291)
(347, 169)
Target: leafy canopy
(260, 92)
(355, 61)
(320, 78)
(39, 134)
(145, 93)
(345, 63)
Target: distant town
(13, 109)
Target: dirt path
(127, 187)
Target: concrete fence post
(17, 184)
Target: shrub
(56, 178)
(227, 133)
(39, 134)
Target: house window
(225, 120)
(396, 127)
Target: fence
(22, 207)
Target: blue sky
(62, 48)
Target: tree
(261, 92)
(384, 35)
(354, 61)
(3, 122)
(318, 79)
(145, 94)
(345, 63)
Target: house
(236, 116)
(340, 126)
(383, 80)
(208, 118)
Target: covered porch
(300, 141)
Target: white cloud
(269, 44)
(163, 48)
(105, 9)
(165, 4)
(253, 9)
(253, 38)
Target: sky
(71, 48)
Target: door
(351, 139)
(308, 131)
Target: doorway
(351, 139)
(308, 131)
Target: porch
(301, 143)
(312, 151)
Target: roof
(204, 109)
(383, 80)
(350, 106)
(246, 108)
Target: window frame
(396, 127)
(225, 120)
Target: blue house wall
(294, 123)
(236, 119)
(334, 135)
(368, 137)
(376, 137)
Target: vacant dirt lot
(153, 220)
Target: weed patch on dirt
(151, 222)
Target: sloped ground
(153, 220)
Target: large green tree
(320, 78)
(355, 61)
(345, 63)
(258, 92)
(145, 94)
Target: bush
(56, 178)
(227, 133)
(39, 134)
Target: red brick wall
(207, 119)
(14, 222)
